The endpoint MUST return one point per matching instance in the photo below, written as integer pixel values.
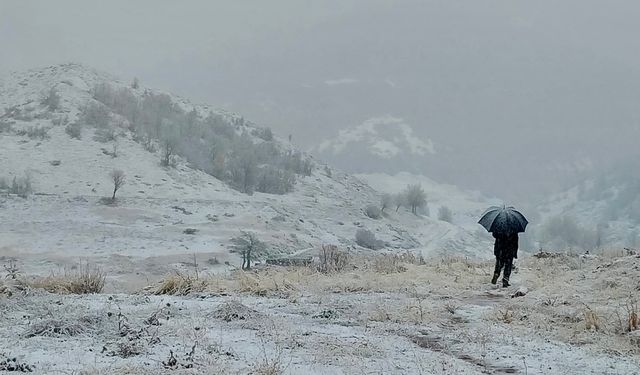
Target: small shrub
(35, 132)
(389, 263)
(106, 134)
(95, 114)
(264, 133)
(51, 100)
(181, 285)
(367, 239)
(12, 270)
(74, 130)
(12, 365)
(59, 327)
(275, 181)
(234, 310)
(332, 259)
(373, 212)
(21, 186)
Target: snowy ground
(441, 317)
(438, 318)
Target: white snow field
(174, 300)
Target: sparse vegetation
(105, 134)
(373, 212)
(35, 132)
(118, 179)
(60, 328)
(218, 145)
(20, 186)
(367, 239)
(83, 280)
(331, 259)
(181, 285)
(416, 198)
(249, 246)
(74, 130)
(51, 100)
(563, 232)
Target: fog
(518, 98)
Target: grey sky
(511, 90)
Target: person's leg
(496, 271)
(508, 264)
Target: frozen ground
(438, 318)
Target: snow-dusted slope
(70, 176)
(379, 144)
(605, 208)
(385, 137)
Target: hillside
(379, 144)
(67, 217)
(601, 211)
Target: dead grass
(381, 274)
(235, 310)
(181, 285)
(83, 280)
(59, 328)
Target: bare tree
(168, 151)
(416, 197)
(248, 245)
(118, 178)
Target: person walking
(504, 223)
(505, 249)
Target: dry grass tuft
(181, 285)
(84, 280)
(591, 320)
(389, 263)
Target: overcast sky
(514, 94)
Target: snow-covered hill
(70, 178)
(604, 210)
(379, 144)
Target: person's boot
(505, 283)
(494, 280)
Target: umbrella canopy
(503, 220)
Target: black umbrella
(503, 220)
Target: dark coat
(506, 246)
